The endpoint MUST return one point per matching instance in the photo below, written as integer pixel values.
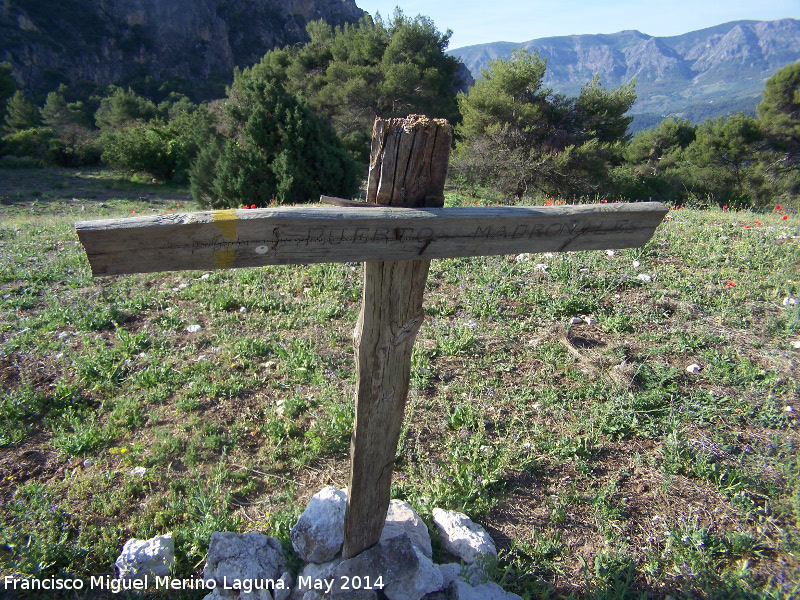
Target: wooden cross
(396, 232)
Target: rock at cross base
(251, 559)
(401, 517)
(310, 574)
(146, 558)
(459, 590)
(427, 579)
(463, 538)
(318, 535)
(394, 561)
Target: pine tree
(277, 150)
(21, 114)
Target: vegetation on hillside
(514, 138)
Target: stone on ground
(402, 517)
(460, 590)
(244, 557)
(146, 558)
(318, 535)
(463, 538)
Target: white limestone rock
(463, 538)
(427, 579)
(318, 535)
(401, 517)
(146, 558)
(249, 557)
(395, 561)
(313, 573)
(460, 590)
(471, 574)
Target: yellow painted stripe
(227, 223)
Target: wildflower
(747, 226)
(133, 211)
(779, 208)
(758, 223)
(725, 207)
(730, 284)
(252, 206)
(123, 450)
(784, 217)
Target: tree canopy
(276, 150)
(351, 74)
(527, 139)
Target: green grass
(599, 465)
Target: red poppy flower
(252, 206)
(730, 284)
(785, 217)
(758, 223)
(778, 208)
(725, 207)
(747, 226)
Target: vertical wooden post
(408, 166)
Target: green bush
(35, 142)
(277, 150)
(164, 150)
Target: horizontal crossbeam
(316, 234)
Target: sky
(480, 22)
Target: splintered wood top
(228, 239)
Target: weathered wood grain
(300, 235)
(406, 163)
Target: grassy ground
(601, 467)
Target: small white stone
(588, 320)
(270, 364)
(788, 409)
(796, 344)
(789, 301)
(205, 275)
(617, 297)
(194, 328)
(64, 335)
(140, 471)
(142, 355)
(548, 255)
(636, 264)
(202, 357)
(87, 463)
(575, 321)
(525, 257)
(584, 271)
(610, 252)
(183, 286)
(540, 267)
(242, 309)
(644, 277)
(693, 368)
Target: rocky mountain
(697, 75)
(49, 42)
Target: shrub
(35, 143)
(277, 149)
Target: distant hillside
(113, 41)
(697, 75)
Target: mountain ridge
(683, 75)
(49, 42)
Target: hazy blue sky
(479, 21)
